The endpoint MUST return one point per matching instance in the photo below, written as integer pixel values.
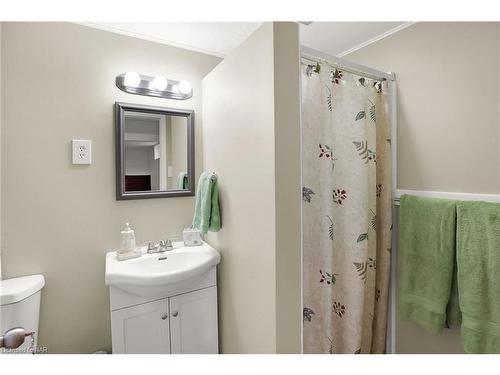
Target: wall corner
(286, 51)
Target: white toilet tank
(20, 307)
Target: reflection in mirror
(155, 152)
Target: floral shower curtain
(346, 169)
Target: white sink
(151, 274)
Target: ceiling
(339, 38)
(214, 38)
(221, 38)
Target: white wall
(154, 167)
(244, 101)
(59, 219)
(138, 161)
(448, 78)
(178, 159)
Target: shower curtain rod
(337, 62)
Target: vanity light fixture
(158, 86)
(160, 83)
(131, 79)
(184, 87)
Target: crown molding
(149, 38)
(377, 38)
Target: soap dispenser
(128, 239)
(128, 249)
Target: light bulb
(184, 87)
(160, 83)
(132, 79)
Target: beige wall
(448, 77)
(244, 104)
(59, 219)
(288, 191)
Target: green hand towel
(426, 251)
(478, 259)
(182, 181)
(206, 212)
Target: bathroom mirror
(154, 152)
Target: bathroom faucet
(161, 247)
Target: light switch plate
(82, 151)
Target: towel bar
(446, 195)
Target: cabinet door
(193, 322)
(141, 329)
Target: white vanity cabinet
(142, 329)
(164, 303)
(186, 323)
(193, 322)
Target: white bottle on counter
(128, 240)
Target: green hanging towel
(182, 181)
(426, 252)
(206, 213)
(478, 259)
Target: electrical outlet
(82, 151)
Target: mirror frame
(120, 109)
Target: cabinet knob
(164, 316)
(175, 314)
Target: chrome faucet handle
(165, 245)
(161, 246)
(152, 248)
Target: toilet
(20, 307)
